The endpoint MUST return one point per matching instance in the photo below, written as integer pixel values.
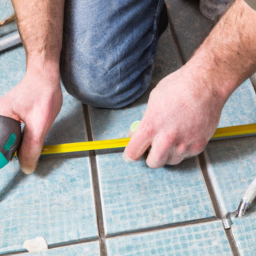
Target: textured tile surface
(196, 240)
(109, 124)
(12, 68)
(6, 9)
(87, 249)
(58, 196)
(240, 107)
(234, 165)
(190, 26)
(137, 197)
(55, 202)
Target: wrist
(46, 70)
(228, 55)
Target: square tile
(136, 197)
(233, 163)
(240, 107)
(194, 240)
(55, 202)
(59, 195)
(86, 249)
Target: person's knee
(98, 90)
(101, 87)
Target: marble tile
(194, 240)
(107, 124)
(136, 197)
(86, 249)
(190, 26)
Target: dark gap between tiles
(216, 206)
(55, 246)
(232, 242)
(96, 185)
(175, 38)
(164, 227)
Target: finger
(138, 144)
(162, 148)
(178, 155)
(31, 147)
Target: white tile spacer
(38, 244)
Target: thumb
(31, 147)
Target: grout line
(232, 242)
(203, 167)
(175, 38)
(55, 246)
(96, 185)
(160, 228)
(217, 201)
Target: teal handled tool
(10, 138)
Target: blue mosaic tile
(244, 231)
(136, 197)
(59, 194)
(86, 249)
(234, 163)
(195, 240)
(6, 9)
(240, 107)
(12, 68)
(110, 124)
(55, 202)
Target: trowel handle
(10, 138)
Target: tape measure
(221, 133)
(10, 137)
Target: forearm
(40, 24)
(228, 56)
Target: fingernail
(127, 159)
(27, 171)
(133, 127)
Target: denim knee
(105, 88)
(108, 50)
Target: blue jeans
(108, 49)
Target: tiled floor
(112, 208)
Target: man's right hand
(36, 101)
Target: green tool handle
(10, 139)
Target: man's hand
(181, 117)
(184, 109)
(35, 101)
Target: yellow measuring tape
(221, 133)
